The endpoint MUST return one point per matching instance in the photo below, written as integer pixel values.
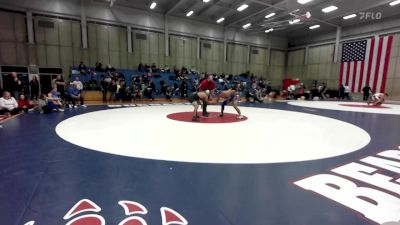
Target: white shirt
(78, 84)
(9, 104)
(379, 96)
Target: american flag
(366, 62)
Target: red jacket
(207, 85)
(22, 103)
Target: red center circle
(213, 117)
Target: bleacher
(91, 81)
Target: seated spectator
(74, 94)
(147, 68)
(42, 105)
(82, 68)
(110, 68)
(54, 102)
(194, 71)
(154, 68)
(99, 67)
(24, 104)
(78, 83)
(166, 69)
(8, 105)
(140, 67)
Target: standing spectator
(366, 92)
(104, 87)
(8, 105)
(341, 92)
(207, 84)
(34, 84)
(112, 89)
(59, 83)
(13, 85)
(82, 68)
(24, 104)
(347, 91)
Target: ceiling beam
(207, 7)
(174, 7)
(345, 14)
(248, 17)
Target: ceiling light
(189, 13)
(294, 21)
(220, 20)
(270, 15)
(303, 1)
(206, 1)
(314, 27)
(329, 9)
(349, 16)
(153, 5)
(242, 7)
(395, 3)
(247, 25)
(269, 30)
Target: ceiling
(285, 10)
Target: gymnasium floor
(149, 164)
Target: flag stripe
(348, 72)
(341, 74)
(382, 66)
(371, 56)
(362, 76)
(387, 61)
(344, 73)
(366, 65)
(356, 79)
(377, 63)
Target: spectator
(104, 87)
(154, 68)
(166, 69)
(147, 68)
(74, 94)
(59, 83)
(366, 92)
(184, 88)
(99, 67)
(347, 91)
(13, 85)
(109, 68)
(78, 83)
(53, 103)
(82, 68)
(8, 105)
(341, 92)
(141, 67)
(112, 89)
(24, 104)
(34, 84)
